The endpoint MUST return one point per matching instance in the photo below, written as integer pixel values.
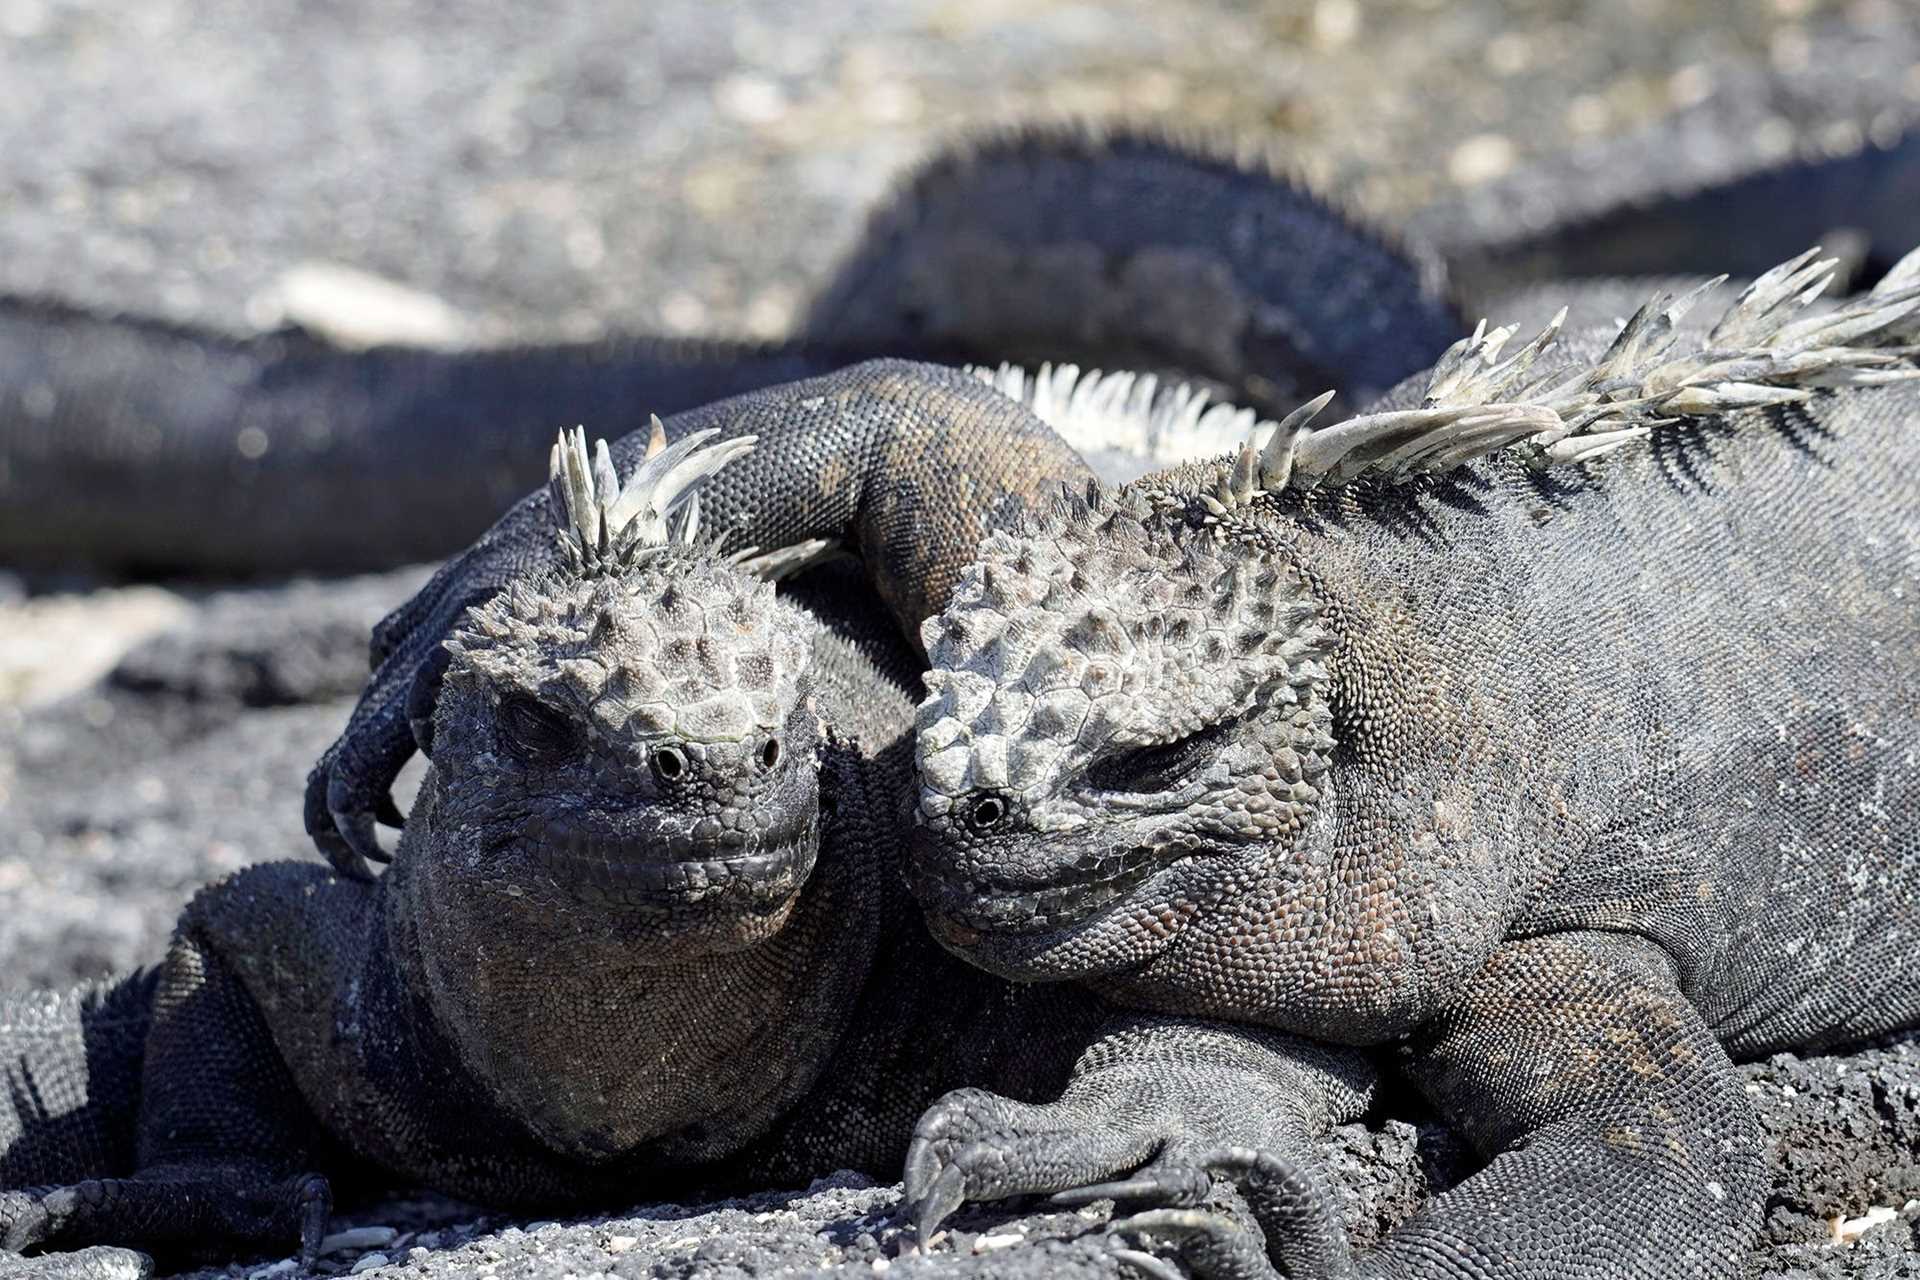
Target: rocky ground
(505, 170)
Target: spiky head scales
(1106, 626)
(684, 647)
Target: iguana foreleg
(1621, 1138)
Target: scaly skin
(644, 931)
(1570, 784)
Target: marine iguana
(1561, 786)
(119, 435)
(645, 930)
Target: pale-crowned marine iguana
(1562, 785)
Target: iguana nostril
(770, 753)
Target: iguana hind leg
(227, 1152)
(1147, 1097)
(187, 1211)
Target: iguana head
(1126, 712)
(626, 744)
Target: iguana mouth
(603, 865)
(1086, 888)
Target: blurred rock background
(420, 171)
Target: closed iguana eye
(1164, 766)
(533, 730)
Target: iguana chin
(645, 931)
(1565, 783)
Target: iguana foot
(184, 1211)
(1304, 1238)
(976, 1145)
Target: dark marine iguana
(117, 436)
(645, 931)
(1562, 786)
(1121, 249)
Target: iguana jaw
(1090, 923)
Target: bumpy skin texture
(1568, 785)
(119, 435)
(645, 932)
(908, 465)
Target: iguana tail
(139, 446)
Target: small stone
(358, 1238)
(985, 1244)
(620, 1244)
(1847, 1230)
(368, 1262)
(1481, 158)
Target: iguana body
(1567, 785)
(119, 434)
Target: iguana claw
(1148, 1265)
(1172, 1182)
(316, 1207)
(948, 1193)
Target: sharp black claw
(316, 1207)
(387, 813)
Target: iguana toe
(315, 1198)
(1170, 1181)
(1211, 1245)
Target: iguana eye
(669, 763)
(533, 729)
(986, 812)
(1164, 766)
